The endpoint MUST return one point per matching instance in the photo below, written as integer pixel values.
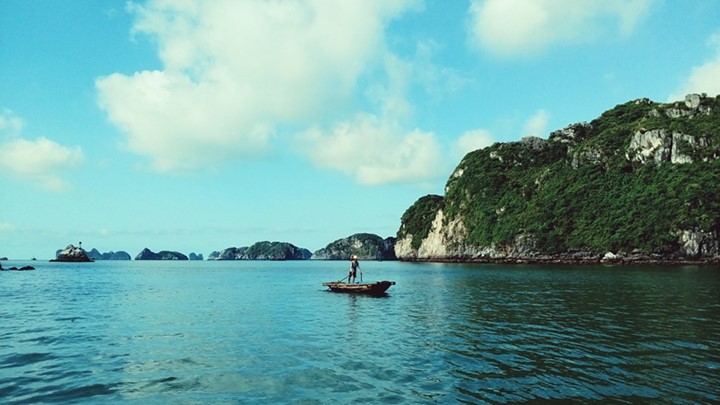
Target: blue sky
(200, 125)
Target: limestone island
(147, 254)
(638, 184)
(72, 254)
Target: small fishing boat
(376, 288)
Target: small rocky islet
(15, 268)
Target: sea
(261, 332)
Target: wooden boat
(376, 288)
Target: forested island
(641, 183)
(367, 246)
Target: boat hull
(378, 287)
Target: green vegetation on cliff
(366, 246)
(418, 218)
(632, 179)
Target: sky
(194, 126)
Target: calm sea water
(268, 332)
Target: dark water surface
(268, 332)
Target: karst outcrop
(638, 184)
(366, 246)
(264, 250)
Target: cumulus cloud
(39, 161)
(374, 151)
(537, 125)
(472, 140)
(481, 138)
(10, 123)
(235, 71)
(704, 78)
(511, 28)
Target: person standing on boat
(354, 266)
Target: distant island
(365, 245)
(119, 255)
(147, 254)
(264, 250)
(72, 254)
(638, 184)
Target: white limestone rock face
(653, 146)
(447, 241)
(435, 245)
(525, 245)
(660, 146)
(693, 100)
(592, 156)
(441, 243)
(404, 250)
(695, 243)
(609, 257)
(534, 142)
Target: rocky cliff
(72, 254)
(366, 246)
(639, 183)
(262, 251)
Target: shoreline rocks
(609, 259)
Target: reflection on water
(256, 332)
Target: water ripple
(250, 332)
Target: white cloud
(537, 125)
(472, 140)
(10, 123)
(511, 28)
(704, 78)
(374, 151)
(391, 96)
(435, 79)
(39, 161)
(481, 138)
(236, 71)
